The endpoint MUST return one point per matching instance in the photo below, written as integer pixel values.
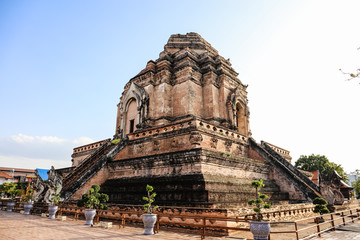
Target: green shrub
(260, 199)
(54, 197)
(149, 199)
(11, 190)
(320, 206)
(94, 199)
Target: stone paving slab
(16, 226)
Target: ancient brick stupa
(183, 127)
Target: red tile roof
(5, 175)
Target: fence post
(318, 227)
(343, 217)
(123, 220)
(157, 226)
(332, 222)
(203, 228)
(296, 231)
(351, 214)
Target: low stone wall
(347, 205)
(281, 212)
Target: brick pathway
(15, 226)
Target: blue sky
(64, 64)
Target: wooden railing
(327, 222)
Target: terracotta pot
(149, 222)
(260, 230)
(52, 211)
(10, 206)
(89, 216)
(27, 208)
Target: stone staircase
(272, 190)
(310, 189)
(89, 167)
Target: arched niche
(238, 111)
(241, 120)
(131, 114)
(132, 109)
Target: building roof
(43, 173)
(5, 175)
(345, 185)
(17, 169)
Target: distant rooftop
(17, 169)
(5, 175)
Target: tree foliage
(11, 190)
(321, 163)
(356, 186)
(352, 75)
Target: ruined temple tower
(183, 127)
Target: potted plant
(92, 201)
(54, 201)
(11, 191)
(149, 219)
(260, 229)
(320, 207)
(29, 199)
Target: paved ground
(15, 226)
(347, 232)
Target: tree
(356, 186)
(352, 75)
(321, 163)
(149, 199)
(260, 199)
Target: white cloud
(24, 151)
(22, 138)
(32, 163)
(83, 140)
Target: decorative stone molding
(174, 143)
(139, 148)
(156, 145)
(228, 145)
(213, 142)
(195, 138)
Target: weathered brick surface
(191, 138)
